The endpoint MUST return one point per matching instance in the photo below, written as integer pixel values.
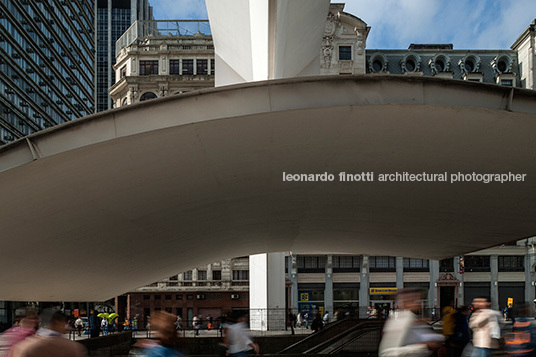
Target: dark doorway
(446, 296)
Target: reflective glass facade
(46, 64)
(114, 17)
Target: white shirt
(238, 338)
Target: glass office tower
(47, 64)
(114, 17)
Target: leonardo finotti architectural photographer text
(405, 177)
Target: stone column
(459, 276)
(226, 274)
(399, 273)
(494, 290)
(267, 291)
(328, 286)
(529, 273)
(434, 277)
(209, 273)
(293, 277)
(364, 287)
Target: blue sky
(483, 24)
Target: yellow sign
(510, 302)
(383, 291)
(304, 297)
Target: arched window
(147, 96)
(124, 102)
(411, 63)
(378, 63)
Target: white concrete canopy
(266, 39)
(98, 206)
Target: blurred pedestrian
(94, 324)
(405, 334)
(209, 322)
(485, 325)
(178, 323)
(291, 321)
(326, 318)
(195, 324)
(25, 328)
(461, 334)
(166, 342)
(135, 324)
(522, 340)
(79, 325)
(49, 340)
(104, 326)
(317, 323)
(237, 340)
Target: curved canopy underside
(107, 203)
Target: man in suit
(49, 340)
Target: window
(174, 277)
(188, 66)
(502, 66)
(216, 275)
(178, 297)
(124, 102)
(507, 82)
(148, 68)
(382, 263)
(188, 275)
(345, 53)
(202, 66)
(147, 96)
(411, 264)
(476, 263)
(174, 66)
(312, 264)
(201, 275)
(123, 72)
(446, 265)
(511, 263)
(168, 297)
(189, 297)
(377, 65)
(440, 65)
(346, 263)
(212, 66)
(146, 297)
(158, 297)
(410, 65)
(240, 274)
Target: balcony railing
(175, 28)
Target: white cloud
(465, 23)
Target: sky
(467, 24)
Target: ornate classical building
(166, 59)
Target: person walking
(94, 324)
(195, 324)
(405, 335)
(326, 318)
(79, 325)
(48, 340)
(237, 340)
(291, 320)
(485, 326)
(317, 323)
(166, 343)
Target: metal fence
(176, 28)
